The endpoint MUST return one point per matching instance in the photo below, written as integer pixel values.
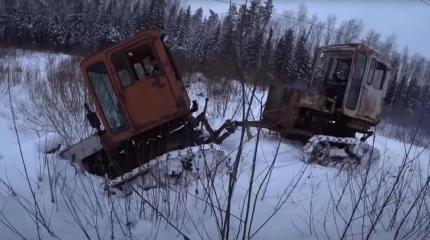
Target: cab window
(379, 76)
(371, 71)
(356, 81)
(106, 97)
(135, 64)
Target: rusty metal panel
(317, 102)
(284, 102)
(279, 111)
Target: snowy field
(43, 197)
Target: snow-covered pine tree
(39, 24)
(254, 49)
(8, 20)
(228, 40)
(258, 20)
(393, 80)
(124, 19)
(404, 63)
(412, 96)
(156, 14)
(267, 11)
(183, 27)
(413, 90)
(303, 70)
(283, 56)
(278, 58)
(75, 25)
(142, 15)
(243, 32)
(400, 99)
(424, 103)
(171, 20)
(265, 75)
(23, 23)
(130, 27)
(213, 31)
(106, 31)
(197, 44)
(196, 41)
(266, 59)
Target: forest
(250, 38)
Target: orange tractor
(142, 109)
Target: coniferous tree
(213, 31)
(171, 19)
(400, 98)
(75, 26)
(266, 60)
(279, 56)
(130, 26)
(301, 59)
(283, 56)
(404, 63)
(8, 19)
(425, 100)
(57, 31)
(195, 45)
(228, 40)
(23, 19)
(412, 95)
(156, 13)
(183, 27)
(393, 80)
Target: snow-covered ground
(295, 200)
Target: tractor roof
(151, 32)
(362, 47)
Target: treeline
(266, 46)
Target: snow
(78, 198)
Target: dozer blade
(339, 152)
(82, 149)
(170, 168)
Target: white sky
(409, 20)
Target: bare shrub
(404, 133)
(56, 99)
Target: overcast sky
(409, 20)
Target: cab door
(373, 91)
(355, 84)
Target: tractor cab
(355, 77)
(142, 110)
(135, 88)
(345, 95)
